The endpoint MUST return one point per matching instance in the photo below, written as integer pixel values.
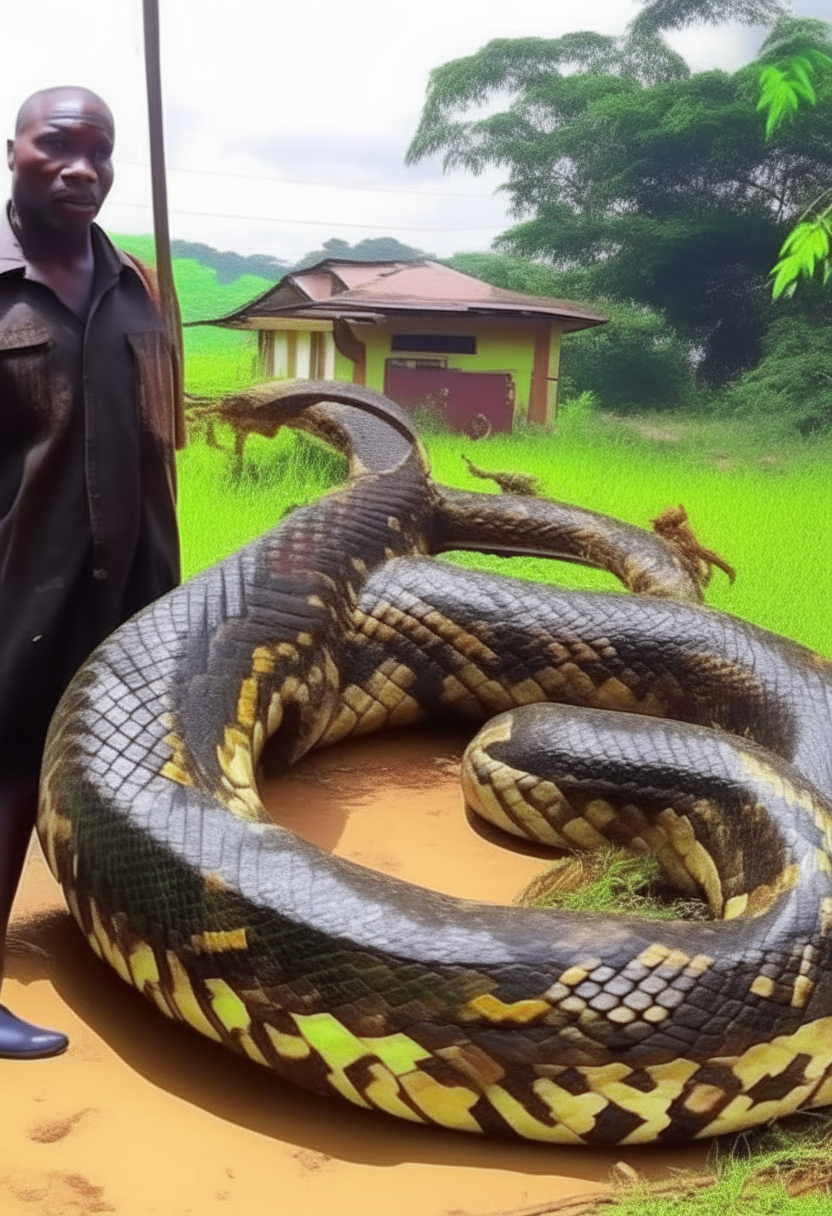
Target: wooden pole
(161, 231)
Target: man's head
(61, 158)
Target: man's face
(61, 161)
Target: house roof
(372, 291)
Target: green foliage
(371, 249)
(611, 881)
(660, 15)
(231, 266)
(804, 250)
(784, 86)
(635, 361)
(554, 79)
(658, 184)
(794, 376)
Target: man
(89, 418)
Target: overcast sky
(286, 123)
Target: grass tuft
(782, 1170)
(612, 881)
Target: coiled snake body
(542, 1024)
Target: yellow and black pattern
(513, 1021)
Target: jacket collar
(13, 259)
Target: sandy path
(142, 1117)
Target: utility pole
(161, 229)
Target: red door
(456, 396)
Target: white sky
(320, 98)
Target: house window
(449, 344)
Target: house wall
(342, 367)
(299, 354)
(528, 349)
(502, 346)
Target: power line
(295, 181)
(272, 219)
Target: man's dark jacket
(89, 419)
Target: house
(425, 335)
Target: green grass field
(762, 500)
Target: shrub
(634, 362)
(794, 377)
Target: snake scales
(547, 1025)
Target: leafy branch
(784, 87)
(805, 249)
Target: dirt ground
(143, 1117)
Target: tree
(230, 266)
(657, 16)
(659, 184)
(370, 249)
(636, 361)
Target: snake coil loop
(641, 720)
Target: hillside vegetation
(217, 361)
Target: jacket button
(99, 573)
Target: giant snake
(577, 1029)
